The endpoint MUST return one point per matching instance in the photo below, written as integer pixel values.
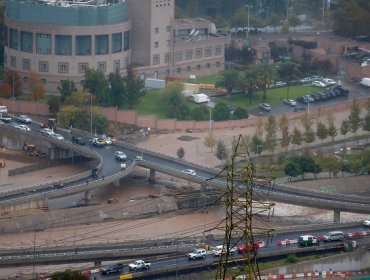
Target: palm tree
(265, 75)
(230, 79)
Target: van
(307, 240)
(333, 236)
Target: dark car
(111, 268)
(77, 140)
(323, 96)
(341, 91)
(316, 97)
(301, 99)
(299, 108)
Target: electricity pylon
(242, 204)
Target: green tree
(37, 90)
(284, 130)
(274, 20)
(119, 94)
(256, 144)
(174, 103)
(332, 130)
(249, 82)
(321, 131)
(66, 115)
(288, 72)
(69, 275)
(66, 88)
(265, 75)
(14, 80)
(221, 112)
(97, 84)
(210, 140)
(354, 117)
(180, 153)
(221, 150)
(307, 165)
(292, 169)
(54, 105)
(296, 137)
(259, 128)
(271, 129)
(309, 136)
(200, 113)
(229, 79)
(240, 113)
(294, 21)
(366, 122)
(79, 99)
(332, 164)
(344, 128)
(100, 122)
(134, 87)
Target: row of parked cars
(335, 92)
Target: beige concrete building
(60, 39)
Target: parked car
(77, 140)
(197, 254)
(278, 84)
(57, 136)
(111, 268)
(309, 98)
(23, 119)
(366, 223)
(319, 84)
(341, 91)
(333, 236)
(265, 107)
(250, 247)
(316, 97)
(299, 108)
(308, 240)
(190, 172)
(139, 265)
(329, 82)
(119, 155)
(323, 96)
(290, 102)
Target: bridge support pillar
(336, 216)
(152, 176)
(88, 196)
(116, 183)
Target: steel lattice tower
(241, 200)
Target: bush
(291, 258)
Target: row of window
(179, 56)
(163, 3)
(190, 69)
(104, 44)
(63, 67)
(156, 29)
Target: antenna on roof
(192, 32)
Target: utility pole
(248, 7)
(91, 113)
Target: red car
(257, 244)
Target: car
(278, 84)
(319, 84)
(316, 97)
(23, 119)
(366, 223)
(299, 108)
(219, 250)
(290, 102)
(77, 140)
(308, 240)
(139, 157)
(107, 139)
(57, 136)
(197, 254)
(323, 96)
(309, 98)
(5, 118)
(139, 265)
(329, 82)
(112, 268)
(341, 90)
(333, 236)
(97, 142)
(47, 131)
(23, 127)
(191, 172)
(119, 155)
(306, 80)
(248, 247)
(265, 107)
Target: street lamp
(257, 151)
(90, 112)
(248, 7)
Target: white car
(319, 84)
(191, 172)
(366, 223)
(219, 250)
(107, 139)
(290, 102)
(23, 119)
(23, 127)
(57, 136)
(120, 155)
(47, 131)
(329, 82)
(265, 106)
(197, 254)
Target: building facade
(61, 39)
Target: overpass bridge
(155, 163)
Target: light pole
(91, 113)
(257, 151)
(13, 97)
(248, 7)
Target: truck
(5, 117)
(3, 109)
(154, 83)
(200, 98)
(365, 82)
(139, 265)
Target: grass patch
(26, 97)
(209, 79)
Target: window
(198, 53)
(126, 40)
(168, 42)
(43, 81)
(102, 66)
(218, 50)
(198, 67)
(127, 60)
(116, 66)
(26, 64)
(178, 70)
(155, 59)
(25, 79)
(63, 67)
(26, 42)
(208, 65)
(43, 43)
(168, 28)
(156, 44)
(218, 64)
(189, 54)
(208, 52)
(156, 30)
(43, 66)
(167, 57)
(116, 42)
(13, 61)
(13, 39)
(82, 67)
(101, 44)
(168, 72)
(63, 45)
(178, 56)
(188, 68)
(83, 46)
